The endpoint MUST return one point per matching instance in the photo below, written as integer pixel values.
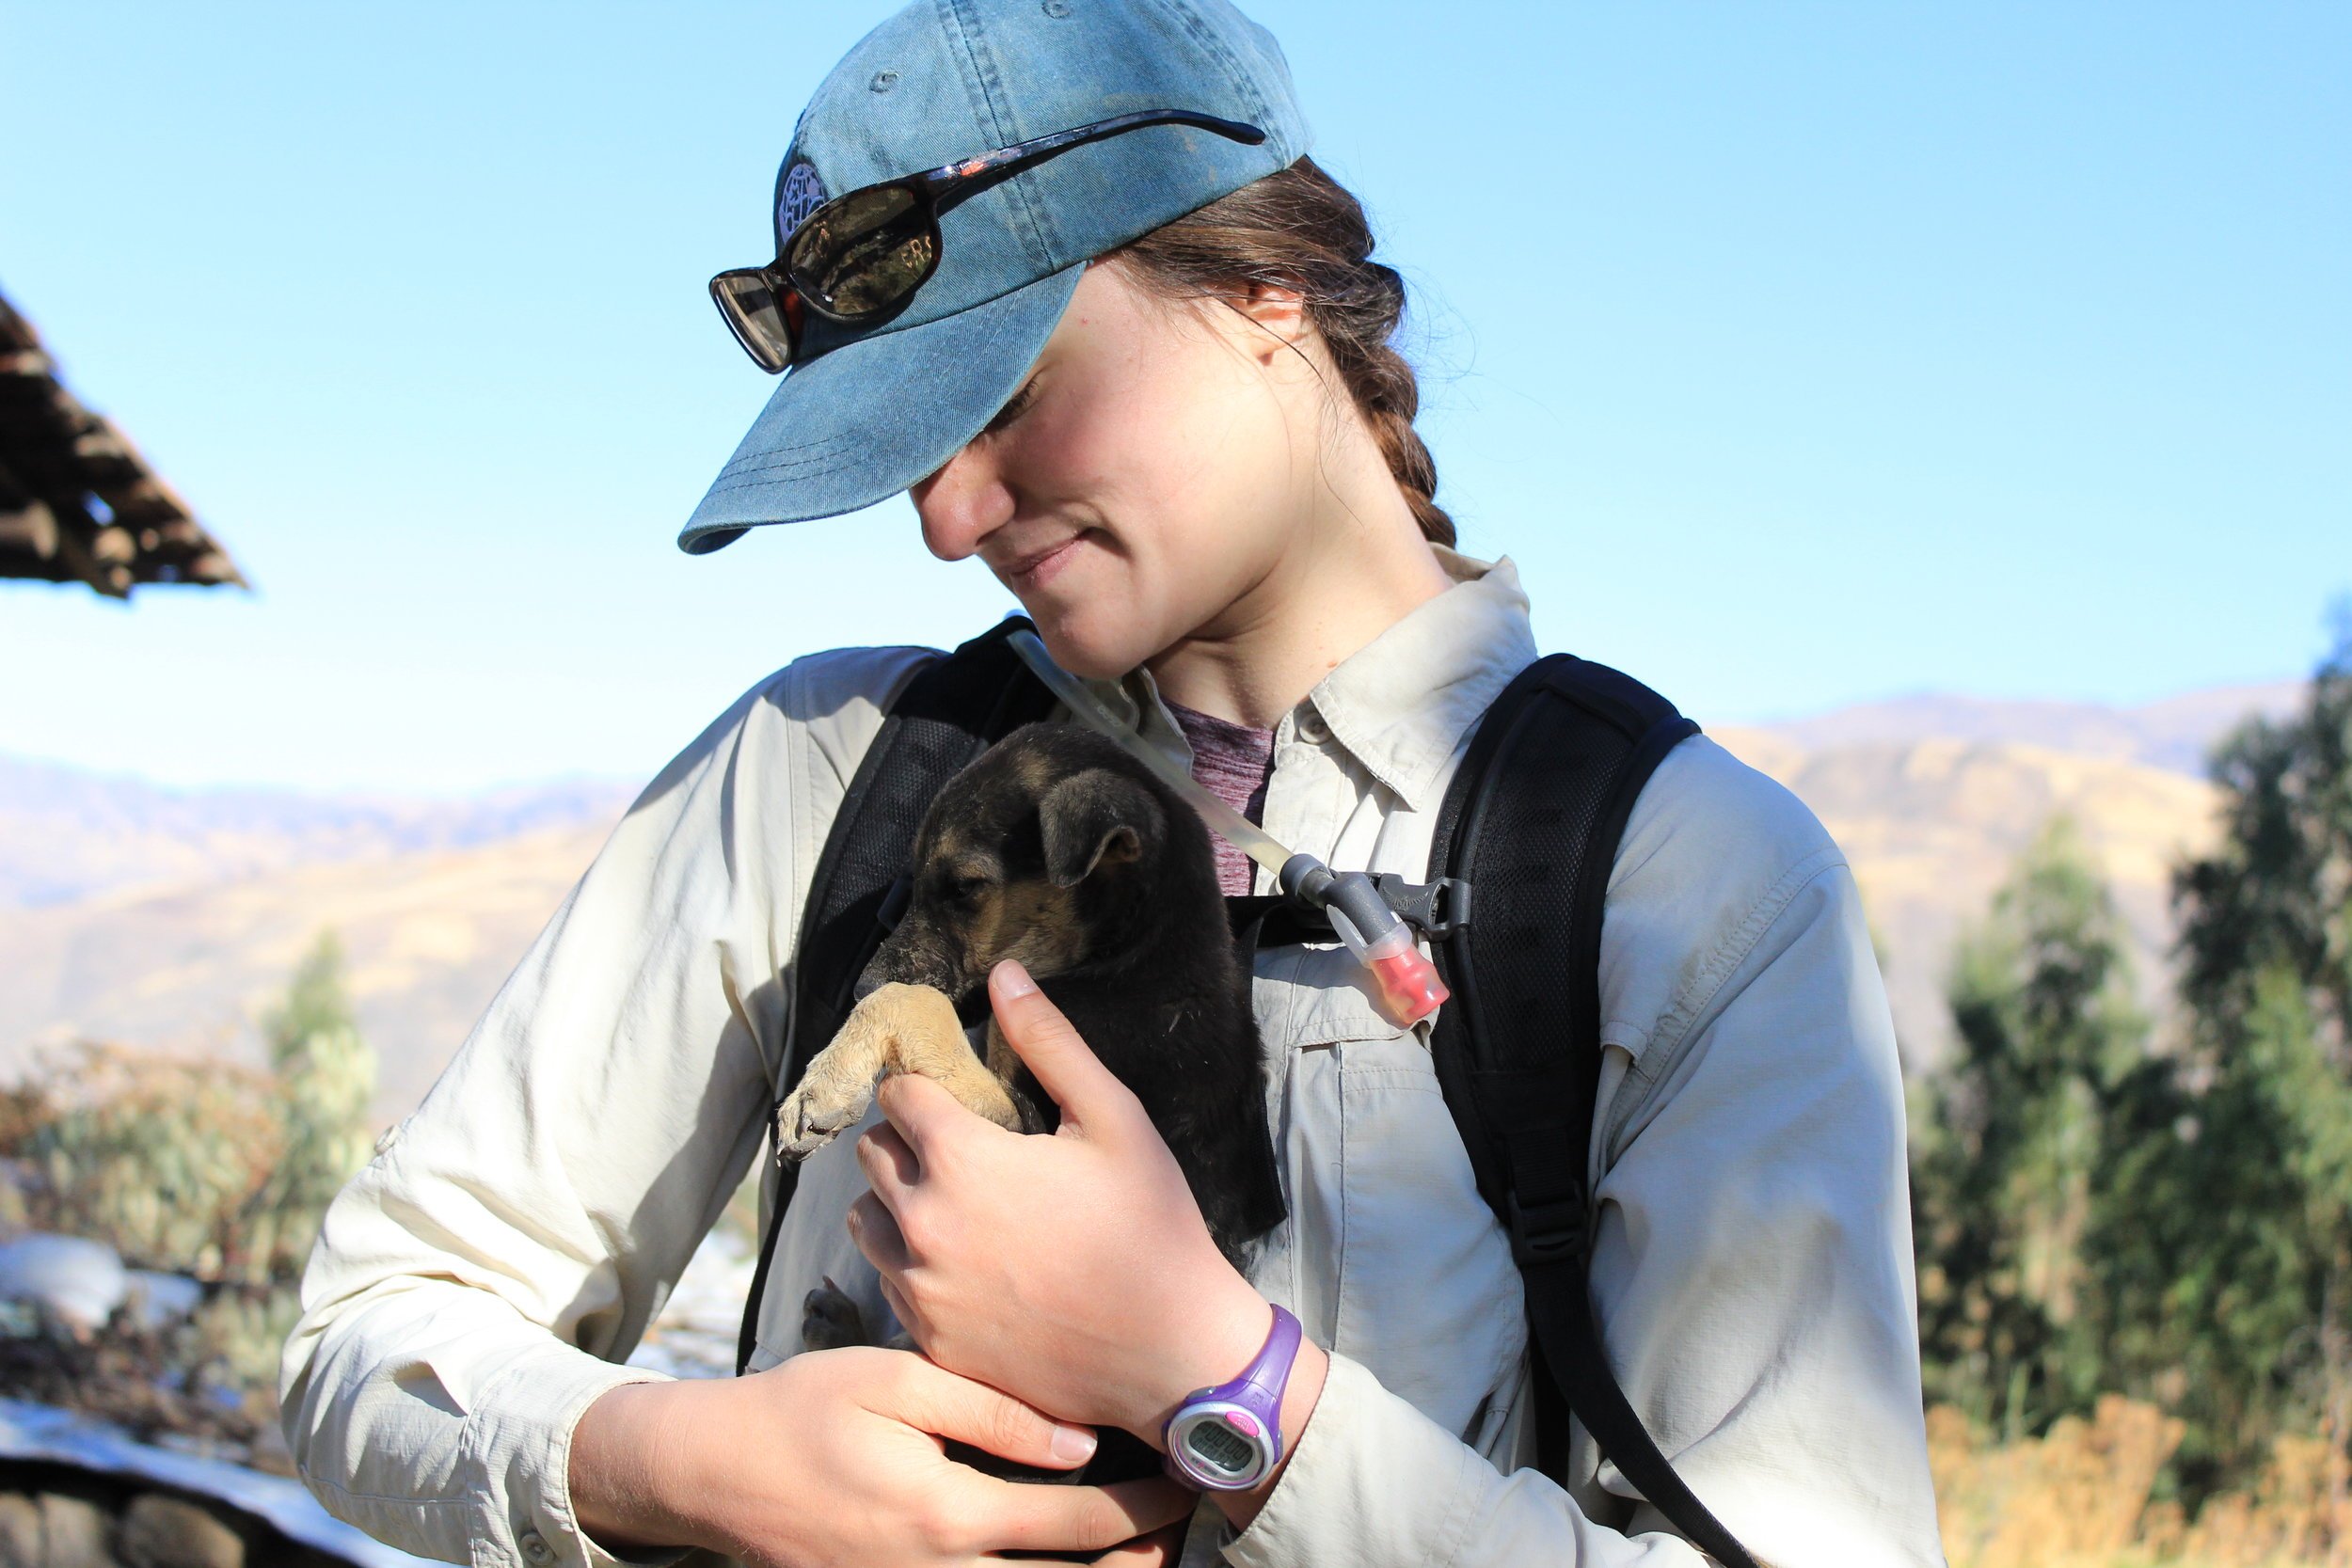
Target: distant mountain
(1931, 828)
(67, 833)
(2173, 735)
(172, 918)
(429, 936)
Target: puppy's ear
(1095, 817)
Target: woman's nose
(961, 504)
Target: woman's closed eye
(1013, 409)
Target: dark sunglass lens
(864, 252)
(749, 303)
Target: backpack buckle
(1549, 1232)
(1436, 909)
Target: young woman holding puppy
(1144, 374)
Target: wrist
(1227, 1328)
(630, 1471)
(1298, 1407)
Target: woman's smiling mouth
(1032, 572)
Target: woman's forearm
(629, 1471)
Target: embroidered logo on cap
(800, 194)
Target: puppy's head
(1044, 850)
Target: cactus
(201, 1167)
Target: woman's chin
(1088, 639)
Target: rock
(159, 1300)
(79, 1280)
(19, 1532)
(73, 1533)
(162, 1531)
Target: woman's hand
(1072, 1271)
(835, 1456)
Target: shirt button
(1312, 729)
(536, 1548)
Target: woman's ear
(1274, 321)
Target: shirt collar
(1402, 703)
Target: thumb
(1065, 1066)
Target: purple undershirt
(1233, 762)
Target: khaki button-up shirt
(475, 1285)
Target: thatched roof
(77, 502)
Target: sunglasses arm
(960, 181)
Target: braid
(1300, 228)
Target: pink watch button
(1237, 1419)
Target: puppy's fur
(1059, 849)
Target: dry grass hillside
(1931, 826)
(430, 935)
(171, 919)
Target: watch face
(1221, 1449)
(1220, 1446)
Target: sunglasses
(859, 258)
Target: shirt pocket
(1397, 1260)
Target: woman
(1143, 373)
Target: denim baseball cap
(867, 411)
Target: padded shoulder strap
(951, 712)
(1532, 822)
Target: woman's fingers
(876, 1233)
(889, 1163)
(930, 1399)
(1159, 1549)
(921, 1110)
(1085, 1518)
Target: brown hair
(1299, 228)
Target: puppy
(1059, 849)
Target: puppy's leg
(898, 1028)
(830, 1320)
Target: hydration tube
(1404, 981)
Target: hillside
(67, 833)
(1931, 826)
(2173, 733)
(170, 918)
(429, 934)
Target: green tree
(2005, 1162)
(2224, 1241)
(325, 1076)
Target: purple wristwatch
(1229, 1437)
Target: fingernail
(1014, 980)
(1073, 1442)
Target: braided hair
(1300, 228)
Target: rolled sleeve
(473, 1287)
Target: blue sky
(1799, 353)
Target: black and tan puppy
(1061, 850)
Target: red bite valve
(1409, 988)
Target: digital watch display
(1229, 1438)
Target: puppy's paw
(814, 1114)
(830, 1320)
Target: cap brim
(860, 423)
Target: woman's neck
(1360, 566)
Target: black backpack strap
(952, 712)
(1532, 822)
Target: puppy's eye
(964, 890)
